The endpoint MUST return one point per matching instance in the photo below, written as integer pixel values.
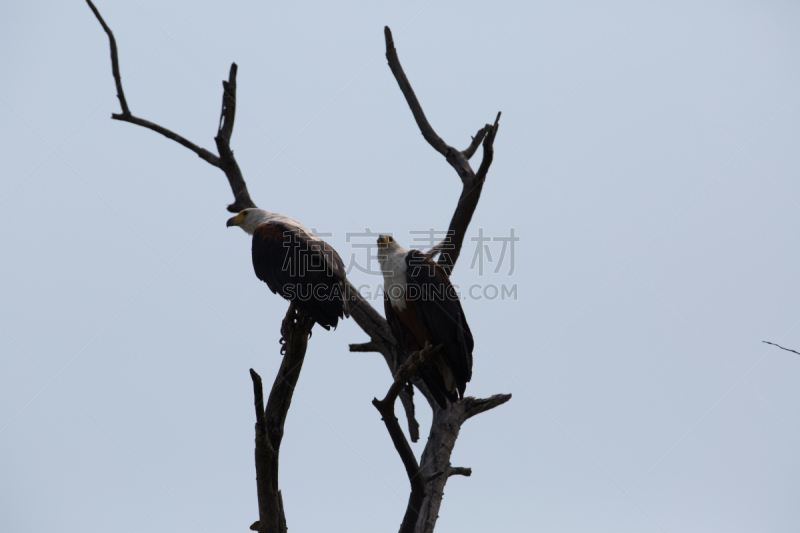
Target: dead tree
(428, 476)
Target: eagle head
(248, 219)
(384, 241)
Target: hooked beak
(237, 220)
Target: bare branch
(386, 409)
(370, 346)
(488, 150)
(204, 154)
(435, 460)
(407, 399)
(258, 394)
(407, 371)
(451, 471)
(373, 325)
(476, 406)
(427, 131)
(781, 347)
(295, 330)
(227, 114)
(267, 500)
(459, 471)
(126, 115)
(476, 141)
(450, 248)
(114, 59)
(270, 421)
(226, 162)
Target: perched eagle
(422, 306)
(296, 264)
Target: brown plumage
(297, 265)
(422, 306)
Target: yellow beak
(237, 220)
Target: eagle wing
(405, 336)
(304, 270)
(439, 308)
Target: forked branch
(435, 464)
(428, 479)
(472, 183)
(225, 160)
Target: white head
(392, 258)
(389, 251)
(249, 219)
(387, 245)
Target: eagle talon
(287, 322)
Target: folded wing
(302, 269)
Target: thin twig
(476, 141)
(114, 59)
(202, 153)
(781, 347)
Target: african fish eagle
(422, 306)
(296, 264)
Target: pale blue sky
(647, 158)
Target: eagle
(421, 307)
(296, 264)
